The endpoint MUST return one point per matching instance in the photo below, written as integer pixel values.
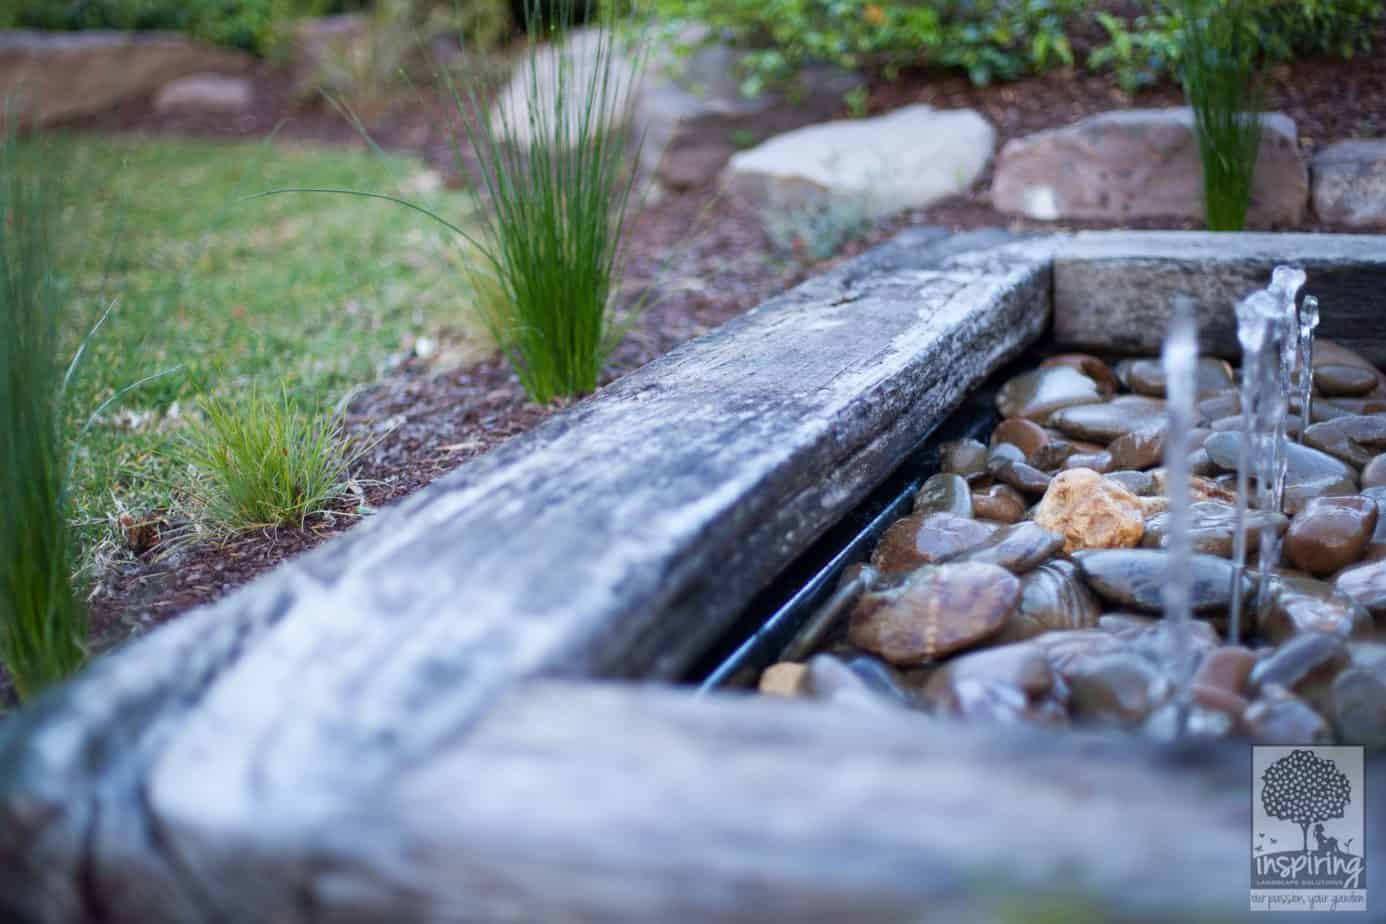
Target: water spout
(1308, 320)
(1285, 284)
(1180, 359)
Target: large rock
(689, 113)
(909, 158)
(1350, 183)
(58, 75)
(208, 92)
(1140, 163)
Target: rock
(1374, 472)
(1304, 605)
(1156, 641)
(1026, 435)
(1100, 461)
(1226, 403)
(1090, 366)
(1279, 717)
(829, 679)
(1020, 475)
(207, 92)
(1147, 376)
(937, 610)
(66, 74)
(967, 458)
(1139, 449)
(1052, 598)
(908, 158)
(784, 679)
(1141, 484)
(1338, 381)
(1300, 494)
(1213, 528)
(1140, 163)
(1037, 394)
(1170, 723)
(1332, 353)
(1304, 464)
(1367, 585)
(1137, 578)
(1071, 647)
(1105, 422)
(1090, 512)
(1357, 700)
(1018, 548)
(1350, 183)
(1226, 669)
(1304, 664)
(1356, 440)
(1331, 533)
(1376, 547)
(1012, 683)
(944, 493)
(695, 117)
(921, 539)
(1120, 689)
(1000, 502)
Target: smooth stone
(1100, 461)
(1226, 403)
(1147, 376)
(1367, 585)
(1302, 605)
(1121, 689)
(1028, 436)
(1200, 489)
(1039, 393)
(1053, 453)
(1105, 422)
(1141, 484)
(1018, 548)
(944, 493)
(1281, 718)
(1303, 462)
(786, 678)
(1339, 381)
(1068, 648)
(1217, 699)
(1011, 683)
(1357, 701)
(1330, 533)
(882, 678)
(1053, 598)
(830, 679)
(1022, 476)
(1091, 366)
(1374, 472)
(937, 610)
(1137, 578)
(1000, 502)
(920, 539)
(1355, 440)
(1351, 407)
(1157, 641)
(1139, 449)
(1091, 512)
(1333, 353)
(967, 458)
(1226, 668)
(1002, 453)
(1200, 463)
(1376, 547)
(1305, 663)
(1213, 528)
(1301, 494)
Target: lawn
(318, 292)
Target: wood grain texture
(617, 538)
(1113, 291)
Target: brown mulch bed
(722, 264)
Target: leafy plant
(1138, 54)
(1217, 67)
(258, 461)
(42, 623)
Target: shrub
(1217, 65)
(42, 623)
(258, 461)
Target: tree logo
(1307, 849)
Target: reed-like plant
(258, 461)
(43, 624)
(1218, 59)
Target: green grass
(316, 292)
(42, 623)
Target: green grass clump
(257, 461)
(1217, 66)
(42, 623)
(558, 185)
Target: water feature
(1179, 361)
(1254, 326)
(1308, 320)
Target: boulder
(59, 75)
(1140, 163)
(216, 92)
(1350, 183)
(909, 158)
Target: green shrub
(42, 623)
(258, 461)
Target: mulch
(704, 258)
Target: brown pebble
(1100, 461)
(1226, 669)
(783, 679)
(1331, 533)
(1000, 502)
(1029, 436)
